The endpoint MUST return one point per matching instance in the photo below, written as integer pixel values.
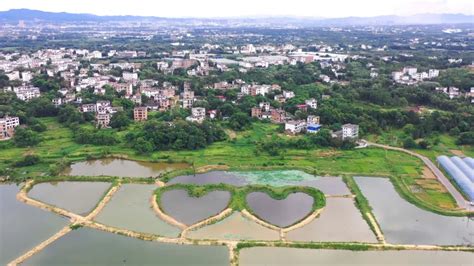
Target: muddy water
(190, 210)
(283, 212)
(91, 247)
(121, 168)
(292, 256)
(328, 185)
(130, 208)
(77, 197)
(340, 221)
(22, 226)
(404, 223)
(235, 227)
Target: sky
(246, 8)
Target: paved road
(460, 200)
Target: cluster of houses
(454, 92)
(99, 78)
(410, 75)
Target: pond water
(190, 210)
(404, 223)
(22, 226)
(121, 168)
(340, 221)
(130, 208)
(283, 212)
(235, 227)
(292, 256)
(91, 247)
(328, 185)
(77, 197)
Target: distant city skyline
(247, 8)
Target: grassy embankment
(58, 148)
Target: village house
(452, 92)
(7, 126)
(312, 124)
(103, 120)
(312, 103)
(198, 114)
(126, 87)
(295, 126)
(278, 116)
(88, 108)
(27, 93)
(187, 99)
(140, 113)
(288, 94)
(130, 77)
(350, 131)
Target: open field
(446, 144)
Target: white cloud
(236, 8)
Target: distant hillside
(14, 15)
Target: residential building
(278, 116)
(288, 94)
(350, 131)
(88, 108)
(312, 119)
(7, 126)
(312, 103)
(313, 128)
(130, 77)
(27, 93)
(295, 126)
(103, 120)
(140, 113)
(198, 114)
(256, 112)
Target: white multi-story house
(410, 70)
(295, 126)
(265, 106)
(26, 76)
(288, 94)
(312, 103)
(26, 93)
(7, 126)
(433, 73)
(350, 131)
(130, 77)
(198, 114)
(88, 108)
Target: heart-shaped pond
(190, 210)
(282, 213)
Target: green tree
(120, 120)
(25, 137)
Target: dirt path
(252, 217)
(378, 231)
(208, 221)
(165, 217)
(41, 246)
(103, 202)
(304, 222)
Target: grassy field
(446, 145)
(239, 153)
